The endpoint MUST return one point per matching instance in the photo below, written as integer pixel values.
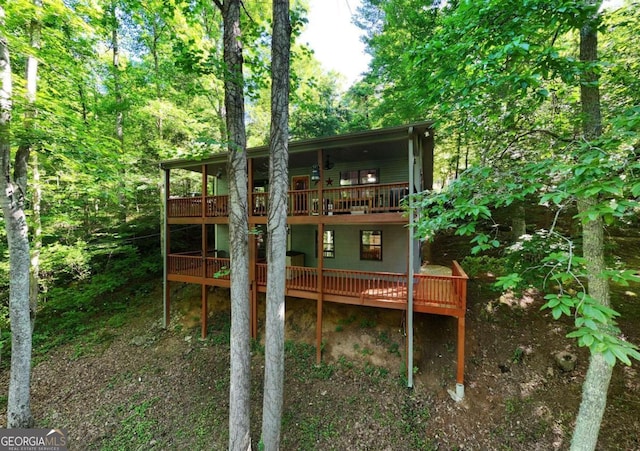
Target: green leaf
(621, 354)
(587, 340)
(609, 357)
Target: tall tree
(25, 150)
(240, 386)
(113, 26)
(277, 227)
(596, 384)
(12, 195)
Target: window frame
(368, 254)
(332, 244)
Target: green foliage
(479, 265)
(62, 263)
(71, 311)
(509, 69)
(136, 427)
(595, 326)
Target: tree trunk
(19, 404)
(596, 384)
(36, 197)
(26, 149)
(117, 87)
(240, 386)
(277, 227)
(518, 222)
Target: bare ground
(148, 388)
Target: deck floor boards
(431, 294)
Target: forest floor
(134, 385)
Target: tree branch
(532, 132)
(244, 8)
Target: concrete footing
(458, 394)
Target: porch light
(315, 173)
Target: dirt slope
(149, 388)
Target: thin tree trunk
(119, 124)
(240, 384)
(36, 197)
(12, 200)
(596, 384)
(518, 221)
(156, 70)
(36, 191)
(277, 227)
(83, 102)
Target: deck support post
(253, 287)
(204, 312)
(204, 253)
(411, 158)
(167, 303)
(458, 395)
(320, 247)
(164, 243)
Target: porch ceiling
(352, 147)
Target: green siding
(347, 245)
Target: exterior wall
(221, 186)
(222, 237)
(390, 171)
(347, 245)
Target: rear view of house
(349, 238)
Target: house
(349, 237)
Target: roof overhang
(348, 140)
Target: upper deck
(373, 199)
(355, 177)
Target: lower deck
(436, 294)
(425, 293)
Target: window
(328, 244)
(361, 177)
(348, 178)
(371, 245)
(368, 176)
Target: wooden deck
(443, 295)
(356, 200)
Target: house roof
(377, 140)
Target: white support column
(163, 243)
(410, 269)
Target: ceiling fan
(328, 164)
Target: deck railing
(259, 203)
(184, 207)
(297, 277)
(303, 202)
(428, 290)
(367, 284)
(361, 199)
(261, 273)
(185, 265)
(364, 199)
(217, 206)
(219, 266)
